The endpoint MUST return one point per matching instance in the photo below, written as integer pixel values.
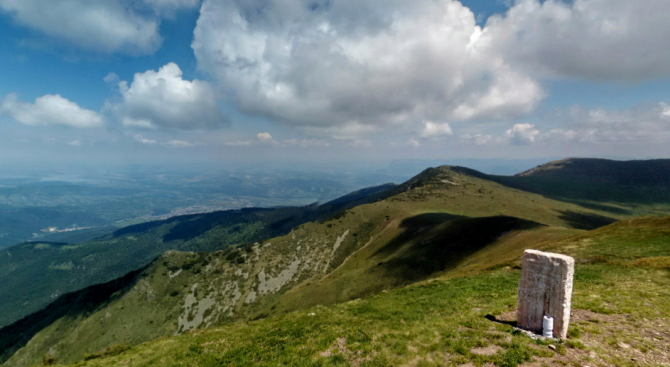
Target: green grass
(114, 350)
(442, 322)
(638, 242)
(437, 318)
(438, 323)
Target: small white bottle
(548, 327)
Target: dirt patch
(590, 316)
(355, 358)
(486, 351)
(548, 362)
(507, 316)
(613, 340)
(505, 337)
(659, 262)
(341, 346)
(641, 341)
(607, 340)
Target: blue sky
(236, 80)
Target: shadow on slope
(81, 303)
(585, 221)
(421, 247)
(419, 253)
(602, 207)
(413, 227)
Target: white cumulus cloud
(139, 138)
(307, 143)
(412, 142)
(346, 68)
(589, 39)
(163, 99)
(51, 109)
(521, 134)
(142, 140)
(178, 144)
(665, 111)
(266, 138)
(106, 26)
(239, 143)
(361, 143)
(433, 130)
(358, 66)
(478, 139)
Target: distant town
(58, 230)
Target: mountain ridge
(635, 172)
(440, 219)
(184, 291)
(43, 271)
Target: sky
(162, 81)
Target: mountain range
(356, 259)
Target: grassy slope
(379, 240)
(624, 187)
(34, 274)
(620, 317)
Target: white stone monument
(545, 290)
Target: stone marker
(545, 289)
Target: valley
(32, 200)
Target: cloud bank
(648, 124)
(605, 40)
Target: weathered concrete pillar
(545, 289)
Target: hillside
(625, 187)
(422, 229)
(633, 173)
(34, 274)
(620, 316)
